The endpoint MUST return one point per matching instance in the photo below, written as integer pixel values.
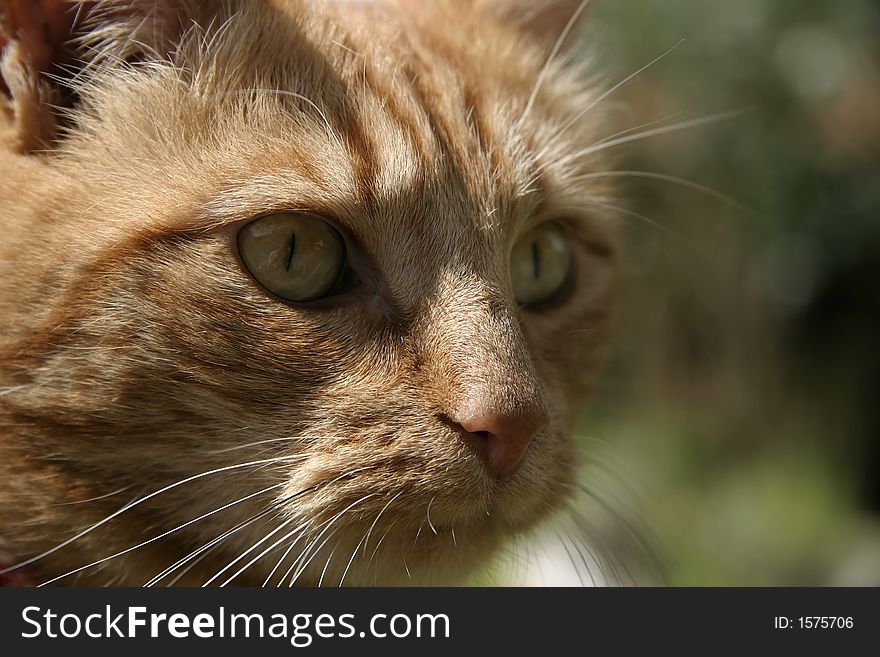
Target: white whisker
(326, 565)
(378, 545)
(551, 57)
(428, 514)
(285, 439)
(655, 224)
(670, 179)
(642, 126)
(675, 127)
(137, 502)
(613, 89)
(253, 547)
(307, 547)
(312, 549)
(370, 530)
(564, 544)
(296, 530)
(281, 561)
(578, 545)
(351, 560)
(95, 499)
(318, 549)
(206, 547)
(163, 534)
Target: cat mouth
(410, 507)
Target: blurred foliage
(740, 408)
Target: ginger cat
(291, 292)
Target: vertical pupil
(536, 260)
(291, 249)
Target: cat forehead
(397, 122)
(407, 95)
(402, 116)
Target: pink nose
(502, 438)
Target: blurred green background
(735, 437)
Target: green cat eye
(540, 263)
(297, 257)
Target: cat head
(326, 274)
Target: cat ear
(32, 38)
(141, 29)
(44, 42)
(546, 20)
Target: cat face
(322, 274)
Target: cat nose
(502, 438)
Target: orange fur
(135, 352)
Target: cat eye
(297, 257)
(540, 264)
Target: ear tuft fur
(46, 43)
(545, 20)
(33, 37)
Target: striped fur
(136, 353)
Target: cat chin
(439, 554)
(446, 558)
(422, 548)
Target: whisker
(613, 89)
(326, 565)
(206, 547)
(302, 526)
(370, 530)
(351, 560)
(635, 534)
(195, 562)
(674, 127)
(418, 535)
(684, 182)
(312, 549)
(273, 532)
(95, 499)
(281, 561)
(366, 538)
(539, 81)
(216, 542)
(610, 556)
(253, 547)
(316, 550)
(226, 450)
(299, 529)
(378, 545)
(630, 213)
(567, 539)
(307, 547)
(582, 546)
(163, 534)
(293, 571)
(137, 502)
(607, 559)
(612, 468)
(571, 558)
(428, 514)
(642, 126)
